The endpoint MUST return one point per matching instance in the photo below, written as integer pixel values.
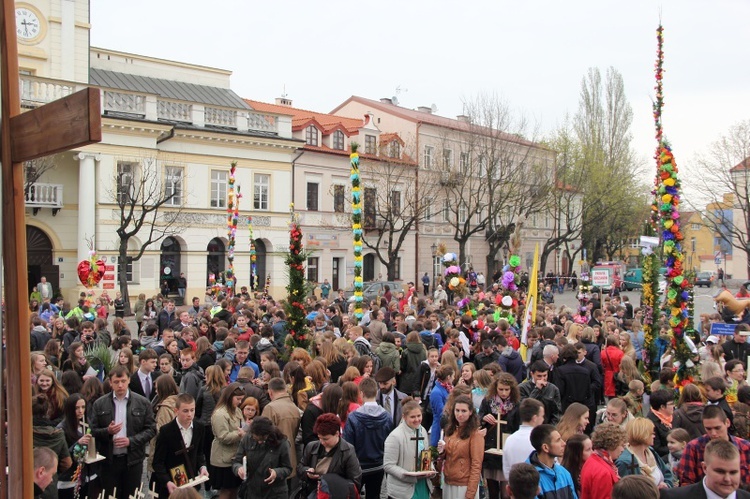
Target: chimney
(283, 101)
(425, 109)
(386, 100)
(463, 118)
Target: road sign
(601, 277)
(722, 328)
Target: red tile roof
(742, 165)
(433, 119)
(301, 118)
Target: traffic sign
(723, 328)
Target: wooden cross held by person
(498, 450)
(188, 464)
(62, 125)
(417, 460)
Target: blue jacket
(236, 369)
(438, 397)
(555, 482)
(513, 363)
(366, 429)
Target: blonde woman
(226, 422)
(449, 359)
(626, 344)
(639, 456)
(575, 331)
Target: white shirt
(187, 434)
(517, 448)
(710, 494)
(121, 416)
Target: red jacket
(611, 358)
(597, 478)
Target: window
(369, 202)
(371, 145)
(534, 221)
(480, 215)
(338, 140)
(396, 203)
(695, 226)
(394, 149)
(339, 194)
(312, 196)
(462, 213)
(218, 189)
(448, 158)
(312, 269)
(463, 163)
(429, 153)
(173, 185)
(428, 212)
(311, 135)
(692, 244)
(128, 271)
(125, 182)
(260, 191)
(446, 211)
(397, 270)
(482, 164)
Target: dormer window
(311, 135)
(394, 149)
(338, 140)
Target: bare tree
(498, 178)
(148, 208)
(392, 207)
(722, 177)
(35, 169)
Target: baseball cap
(712, 339)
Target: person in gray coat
(268, 464)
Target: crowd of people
(415, 400)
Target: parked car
(704, 279)
(633, 279)
(374, 289)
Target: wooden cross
(188, 463)
(138, 494)
(62, 125)
(498, 450)
(91, 451)
(417, 438)
(152, 493)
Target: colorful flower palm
(233, 215)
(299, 335)
(357, 231)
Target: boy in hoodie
(356, 336)
(149, 339)
(192, 375)
(554, 480)
(39, 335)
(366, 429)
(510, 359)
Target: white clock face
(28, 25)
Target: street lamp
(434, 249)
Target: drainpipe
(164, 139)
(416, 224)
(294, 164)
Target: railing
(121, 102)
(37, 91)
(263, 122)
(40, 195)
(221, 117)
(175, 111)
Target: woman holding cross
(403, 449)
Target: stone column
(86, 202)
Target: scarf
(501, 407)
(665, 420)
(604, 455)
(647, 467)
(448, 386)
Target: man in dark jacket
(738, 348)
(388, 397)
(366, 429)
(539, 388)
(510, 359)
(39, 335)
(166, 316)
(245, 378)
(192, 375)
(662, 401)
(488, 355)
(143, 380)
(122, 423)
(578, 380)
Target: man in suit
(45, 289)
(122, 423)
(388, 397)
(721, 466)
(179, 443)
(143, 380)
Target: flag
(529, 316)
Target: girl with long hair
(449, 359)
(335, 361)
(77, 361)
(577, 450)
(226, 422)
(318, 374)
(467, 374)
(208, 396)
(573, 421)
(125, 358)
(74, 415)
(299, 386)
(500, 404)
(265, 453)
(164, 404)
(38, 364)
(349, 401)
(326, 402)
(46, 383)
(462, 451)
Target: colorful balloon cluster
(357, 231)
(233, 215)
(666, 204)
(253, 257)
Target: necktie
(387, 403)
(147, 389)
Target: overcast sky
(533, 54)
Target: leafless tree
(149, 208)
(35, 169)
(721, 177)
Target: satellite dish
(394, 99)
(434, 108)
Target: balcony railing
(36, 91)
(40, 195)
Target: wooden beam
(20, 483)
(64, 124)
